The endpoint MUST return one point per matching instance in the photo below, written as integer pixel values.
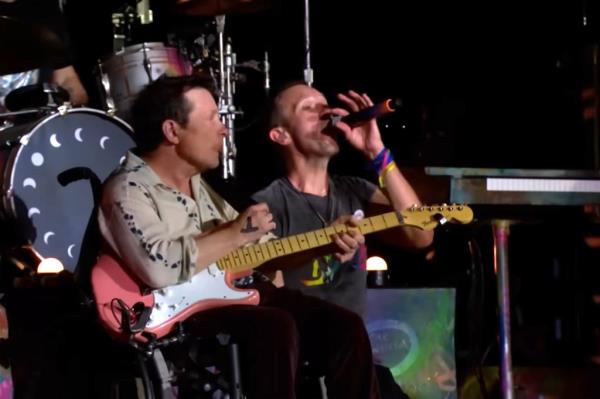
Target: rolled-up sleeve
(141, 230)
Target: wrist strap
(382, 164)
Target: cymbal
(208, 8)
(25, 46)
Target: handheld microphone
(354, 119)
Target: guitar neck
(249, 257)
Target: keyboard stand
(487, 186)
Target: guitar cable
(123, 313)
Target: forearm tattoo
(249, 228)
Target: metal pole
(501, 230)
(267, 70)
(229, 165)
(236, 378)
(308, 72)
(226, 107)
(220, 20)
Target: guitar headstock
(427, 217)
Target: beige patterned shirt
(152, 226)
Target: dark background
(493, 84)
(484, 84)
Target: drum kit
(53, 156)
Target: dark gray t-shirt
(295, 212)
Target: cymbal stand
(24, 112)
(49, 89)
(267, 72)
(227, 109)
(308, 71)
(104, 81)
(147, 63)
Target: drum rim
(124, 50)
(7, 183)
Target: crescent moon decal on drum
(48, 235)
(54, 141)
(29, 182)
(78, 134)
(52, 199)
(70, 249)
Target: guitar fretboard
(251, 256)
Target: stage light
(376, 263)
(379, 266)
(50, 265)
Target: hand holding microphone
(359, 127)
(359, 117)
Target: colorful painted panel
(412, 333)
(6, 388)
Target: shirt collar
(143, 171)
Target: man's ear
(280, 136)
(171, 131)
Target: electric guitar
(121, 303)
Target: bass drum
(124, 74)
(53, 169)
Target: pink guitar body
(208, 289)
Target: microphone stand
(226, 107)
(308, 71)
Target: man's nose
(224, 131)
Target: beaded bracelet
(383, 163)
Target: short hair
(276, 116)
(160, 100)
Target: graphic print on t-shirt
(325, 268)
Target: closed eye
(214, 115)
(314, 107)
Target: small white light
(376, 263)
(50, 265)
